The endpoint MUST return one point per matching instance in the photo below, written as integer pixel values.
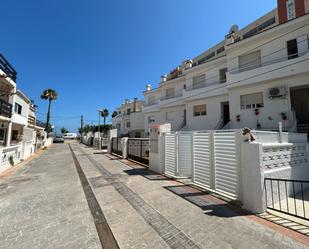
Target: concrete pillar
(252, 192)
(111, 134)
(157, 147)
(9, 134)
(124, 146)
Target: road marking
(105, 234)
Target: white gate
(226, 163)
(211, 158)
(184, 154)
(202, 159)
(170, 154)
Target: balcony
(276, 56)
(5, 109)
(279, 63)
(152, 103)
(172, 96)
(6, 67)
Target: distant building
(130, 119)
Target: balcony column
(9, 134)
(9, 130)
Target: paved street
(44, 205)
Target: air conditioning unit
(277, 92)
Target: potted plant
(284, 115)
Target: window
(151, 100)
(17, 108)
(2, 135)
(250, 61)
(259, 28)
(128, 111)
(128, 124)
(292, 49)
(220, 50)
(290, 9)
(222, 75)
(306, 6)
(170, 93)
(251, 101)
(199, 110)
(14, 135)
(151, 119)
(138, 134)
(199, 81)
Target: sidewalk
(146, 210)
(43, 205)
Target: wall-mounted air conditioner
(277, 92)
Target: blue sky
(96, 53)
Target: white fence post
(124, 147)
(252, 178)
(111, 134)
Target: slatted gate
(170, 154)
(226, 163)
(202, 159)
(178, 154)
(138, 149)
(212, 157)
(116, 146)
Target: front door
(226, 112)
(300, 104)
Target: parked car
(58, 139)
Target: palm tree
(104, 114)
(64, 130)
(114, 114)
(49, 95)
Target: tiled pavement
(139, 206)
(43, 206)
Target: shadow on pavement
(204, 201)
(150, 175)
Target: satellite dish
(234, 29)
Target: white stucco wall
(213, 115)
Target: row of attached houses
(130, 119)
(256, 77)
(20, 133)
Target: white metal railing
(171, 96)
(151, 103)
(263, 61)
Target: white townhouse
(130, 119)
(17, 130)
(255, 77)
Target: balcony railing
(151, 103)
(171, 96)
(6, 67)
(274, 57)
(5, 109)
(40, 123)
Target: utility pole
(81, 127)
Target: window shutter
(250, 61)
(199, 81)
(251, 99)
